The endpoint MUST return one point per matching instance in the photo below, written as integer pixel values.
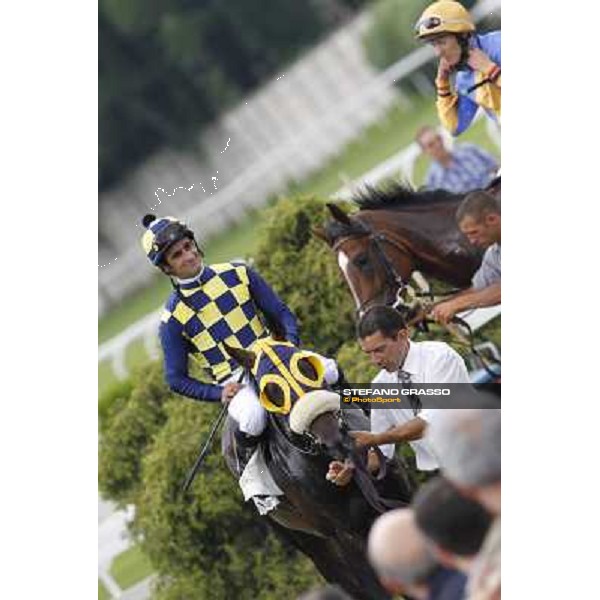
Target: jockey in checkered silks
(212, 306)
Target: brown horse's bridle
(392, 276)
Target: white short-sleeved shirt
(427, 362)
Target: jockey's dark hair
(380, 318)
(477, 204)
(457, 524)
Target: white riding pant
(246, 408)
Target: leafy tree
(129, 429)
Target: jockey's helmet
(445, 16)
(161, 234)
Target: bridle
(393, 279)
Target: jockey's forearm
(407, 432)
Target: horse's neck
(433, 242)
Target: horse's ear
(319, 232)
(338, 214)
(245, 358)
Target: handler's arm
(471, 298)
(488, 296)
(407, 432)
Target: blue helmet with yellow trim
(161, 234)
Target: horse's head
(376, 266)
(290, 383)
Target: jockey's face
(448, 48)
(183, 259)
(387, 353)
(481, 233)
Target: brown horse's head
(373, 265)
(398, 231)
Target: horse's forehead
(343, 261)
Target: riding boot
(245, 446)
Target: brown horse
(395, 232)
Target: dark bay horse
(307, 430)
(395, 232)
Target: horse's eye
(361, 261)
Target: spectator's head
(432, 143)
(383, 335)
(478, 217)
(455, 525)
(447, 26)
(170, 245)
(467, 442)
(398, 552)
(329, 592)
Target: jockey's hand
(479, 60)
(443, 312)
(229, 391)
(340, 473)
(444, 69)
(363, 438)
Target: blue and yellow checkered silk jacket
(220, 306)
(457, 107)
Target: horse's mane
(398, 195)
(394, 196)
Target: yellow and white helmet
(445, 16)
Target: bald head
(397, 549)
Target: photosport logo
(439, 396)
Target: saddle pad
(256, 480)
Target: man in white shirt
(383, 335)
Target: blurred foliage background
(168, 67)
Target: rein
(308, 444)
